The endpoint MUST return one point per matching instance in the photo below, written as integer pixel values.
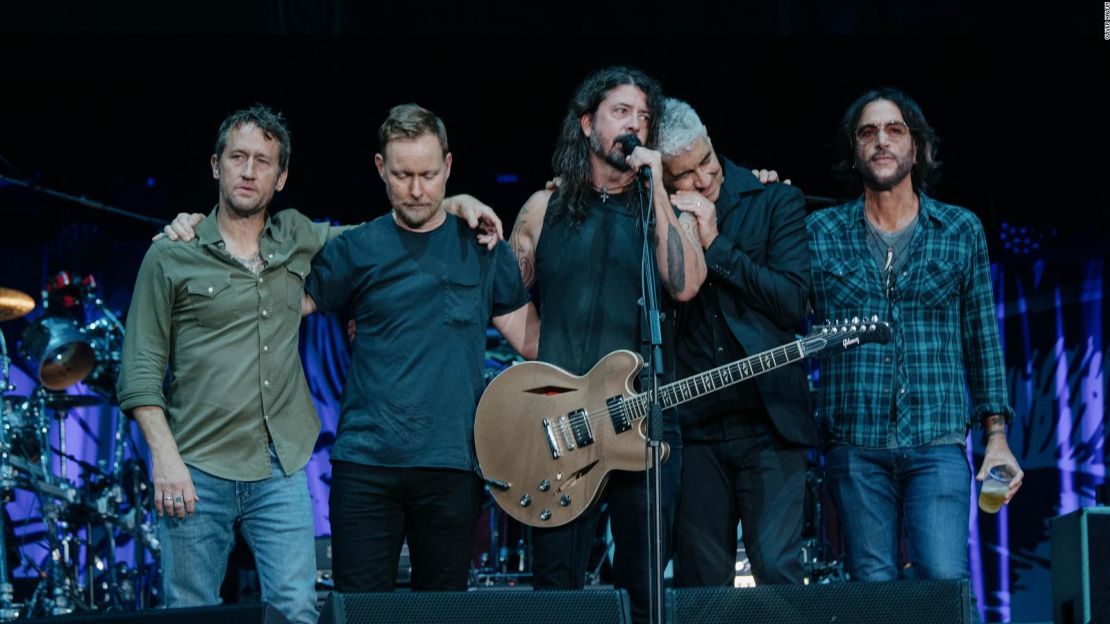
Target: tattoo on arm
(676, 262)
(690, 228)
(524, 256)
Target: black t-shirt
(588, 281)
(421, 303)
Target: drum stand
(7, 609)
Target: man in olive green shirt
(230, 437)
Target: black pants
(560, 555)
(757, 479)
(374, 509)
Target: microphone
(628, 143)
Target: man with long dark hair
(586, 268)
(898, 414)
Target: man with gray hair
(744, 448)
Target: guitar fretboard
(699, 385)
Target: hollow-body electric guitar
(547, 440)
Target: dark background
(120, 103)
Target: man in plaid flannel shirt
(898, 414)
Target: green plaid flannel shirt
(942, 316)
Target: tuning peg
(855, 320)
(874, 318)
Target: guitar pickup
(552, 440)
(620, 419)
(580, 427)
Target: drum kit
(87, 522)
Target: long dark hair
(571, 161)
(925, 171)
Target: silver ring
(167, 498)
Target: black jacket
(759, 263)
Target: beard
(877, 182)
(416, 216)
(244, 209)
(615, 156)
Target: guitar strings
(636, 405)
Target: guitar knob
(525, 500)
(545, 514)
(564, 500)
(544, 485)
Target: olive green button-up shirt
(229, 337)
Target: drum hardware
(57, 346)
(62, 402)
(13, 304)
(505, 560)
(76, 339)
(818, 562)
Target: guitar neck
(710, 381)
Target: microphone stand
(652, 348)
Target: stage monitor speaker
(900, 602)
(222, 614)
(486, 606)
(1081, 566)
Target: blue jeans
(927, 489)
(275, 518)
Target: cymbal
(14, 304)
(61, 401)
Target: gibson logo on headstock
(847, 342)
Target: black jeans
(758, 480)
(560, 555)
(373, 510)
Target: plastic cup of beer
(994, 489)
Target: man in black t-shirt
(422, 291)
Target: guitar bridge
(552, 440)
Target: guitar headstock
(841, 336)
